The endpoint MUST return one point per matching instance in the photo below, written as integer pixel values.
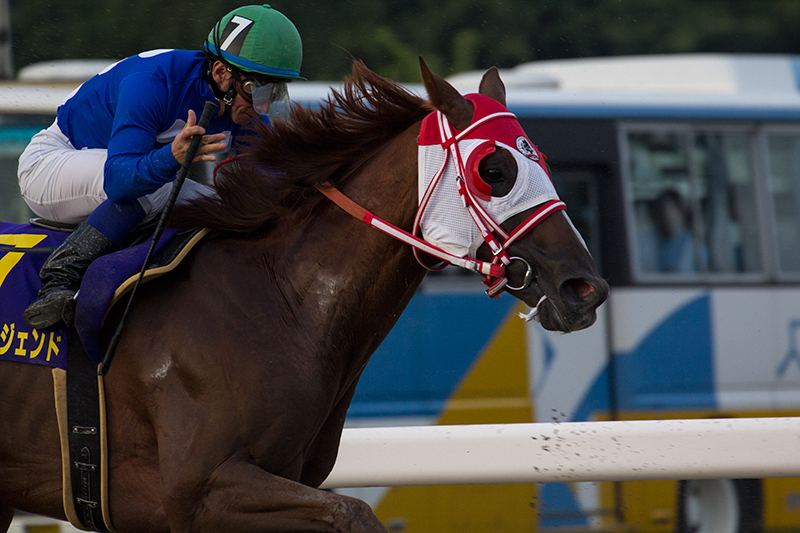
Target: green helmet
(257, 39)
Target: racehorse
(228, 392)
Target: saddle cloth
(106, 280)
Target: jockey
(120, 138)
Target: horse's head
(514, 219)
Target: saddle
(106, 281)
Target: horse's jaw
(568, 289)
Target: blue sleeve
(134, 167)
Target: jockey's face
(241, 110)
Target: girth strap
(85, 435)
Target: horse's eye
(493, 175)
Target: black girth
(85, 437)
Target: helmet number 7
(241, 25)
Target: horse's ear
(492, 86)
(446, 98)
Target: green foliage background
(452, 35)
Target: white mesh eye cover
(446, 223)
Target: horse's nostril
(579, 287)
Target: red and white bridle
(493, 234)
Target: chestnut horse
(229, 388)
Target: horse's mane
(281, 165)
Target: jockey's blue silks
(116, 220)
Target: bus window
(784, 183)
(661, 189)
(693, 202)
(729, 224)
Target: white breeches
(63, 184)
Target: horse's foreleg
(240, 496)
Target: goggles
(264, 96)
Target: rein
(495, 237)
(337, 197)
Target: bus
(682, 173)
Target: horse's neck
(351, 279)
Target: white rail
(590, 451)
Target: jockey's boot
(61, 277)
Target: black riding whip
(208, 110)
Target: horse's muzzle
(571, 308)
